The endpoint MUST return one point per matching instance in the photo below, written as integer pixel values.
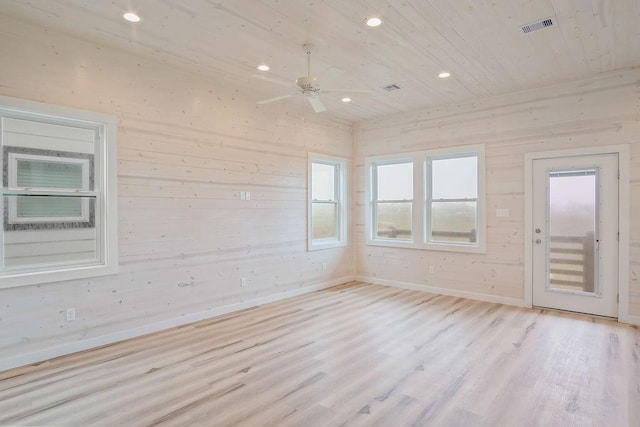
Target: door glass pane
(394, 221)
(454, 222)
(323, 220)
(395, 182)
(323, 181)
(572, 230)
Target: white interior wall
(187, 146)
(596, 112)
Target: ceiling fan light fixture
(373, 21)
(346, 99)
(263, 67)
(131, 17)
(444, 75)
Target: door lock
(538, 231)
(538, 241)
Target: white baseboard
(443, 291)
(86, 344)
(630, 319)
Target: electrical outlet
(71, 314)
(243, 195)
(243, 282)
(247, 195)
(502, 212)
(431, 269)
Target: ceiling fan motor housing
(306, 83)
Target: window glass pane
(48, 207)
(395, 182)
(455, 178)
(42, 174)
(323, 220)
(572, 229)
(394, 221)
(454, 222)
(33, 244)
(323, 181)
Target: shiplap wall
(187, 146)
(599, 111)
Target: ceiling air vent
(391, 87)
(539, 25)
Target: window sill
(329, 244)
(442, 247)
(50, 276)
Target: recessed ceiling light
(444, 75)
(373, 21)
(346, 99)
(263, 67)
(131, 17)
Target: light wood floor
(358, 355)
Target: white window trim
(105, 191)
(13, 184)
(341, 193)
(419, 208)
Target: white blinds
(43, 174)
(48, 207)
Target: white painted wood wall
(187, 146)
(600, 111)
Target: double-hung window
(392, 201)
(452, 199)
(427, 200)
(58, 193)
(327, 207)
(32, 168)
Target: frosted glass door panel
(572, 230)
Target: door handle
(538, 231)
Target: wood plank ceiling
(478, 41)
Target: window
(58, 193)
(393, 200)
(427, 200)
(327, 208)
(452, 207)
(46, 169)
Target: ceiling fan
(306, 86)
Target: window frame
(421, 207)
(340, 192)
(104, 192)
(15, 157)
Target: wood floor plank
(355, 354)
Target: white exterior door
(575, 234)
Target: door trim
(623, 220)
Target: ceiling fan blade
(317, 105)
(277, 98)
